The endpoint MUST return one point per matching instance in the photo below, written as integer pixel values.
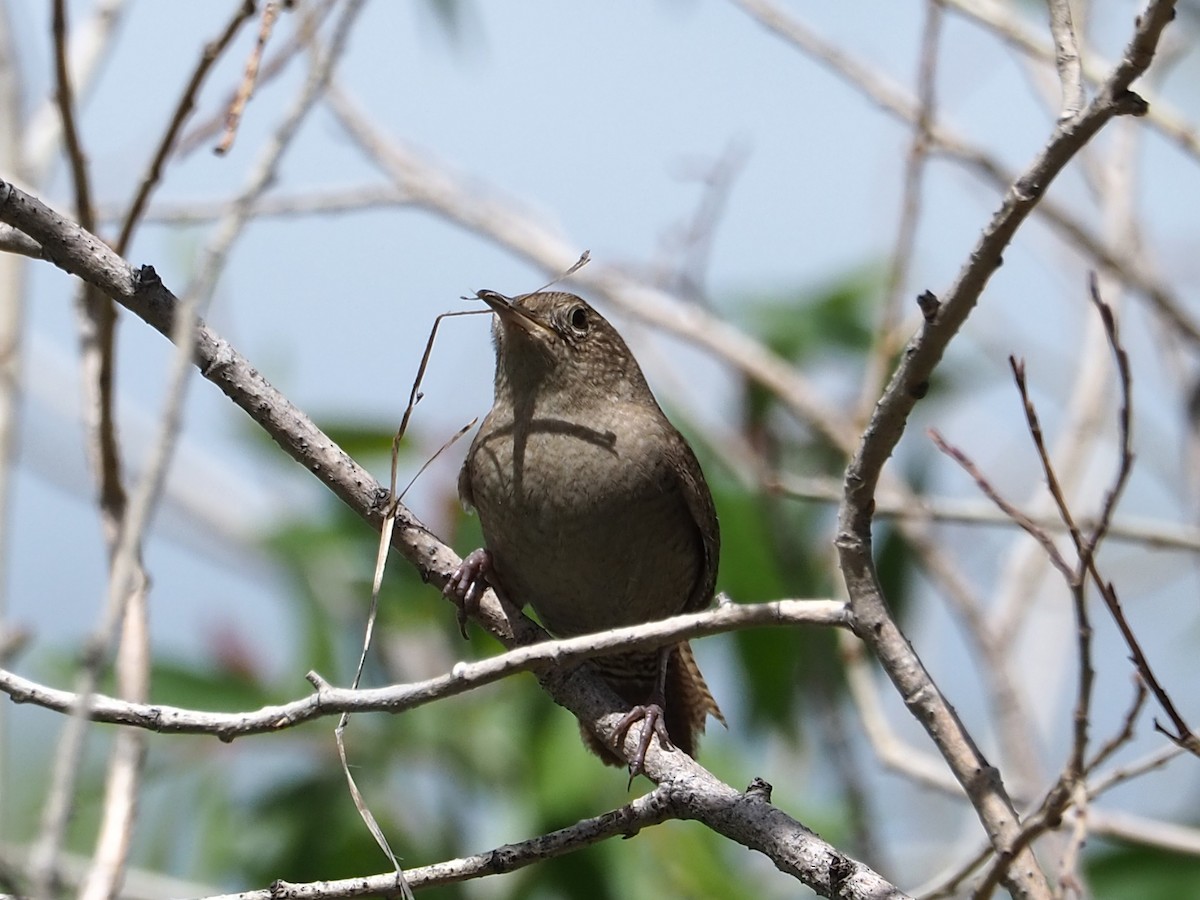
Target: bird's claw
(653, 723)
(467, 584)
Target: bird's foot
(653, 723)
(467, 584)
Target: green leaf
(1143, 873)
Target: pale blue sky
(588, 112)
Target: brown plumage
(594, 509)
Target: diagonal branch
(875, 624)
(659, 806)
(747, 819)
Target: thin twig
(183, 110)
(1159, 535)
(91, 43)
(266, 168)
(1030, 527)
(203, 132)
(233, 116)
(127, 579)
(1124, 734)
(97, 321)
(696, 240)
(128, 583)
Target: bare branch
(1006, 24)
(310, 21)
(1031, 528)
(90, 43)
(264, 173)
(183, 110)
(97, 320)
(1148, 532)
(13, 241)
(233, 116)
(873, 619)
(626, 821)
(895, 101)
(464, 677)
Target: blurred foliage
(1143, 873)
(503, 763)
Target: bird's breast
(585, 520)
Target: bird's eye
(579, 320)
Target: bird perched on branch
(594, 509)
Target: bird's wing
(700, 504)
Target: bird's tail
(687, 702)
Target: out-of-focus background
(710, 161)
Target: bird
(593, 507)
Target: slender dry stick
(1071, 784)
(233, 116)
(133, 663)
(696, 242)
(1133, 829)
(1089, 397)
(277, 204)
(1125, 734)
(201, 133)
(1183, 735)
(1086, 546)
(13, 242)
(1151, 533)
(1049, 815)
(91, 41)
(127, 758)
(39, 139)
(1032, 528)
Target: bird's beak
(510, 313)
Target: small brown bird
(594, 509)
